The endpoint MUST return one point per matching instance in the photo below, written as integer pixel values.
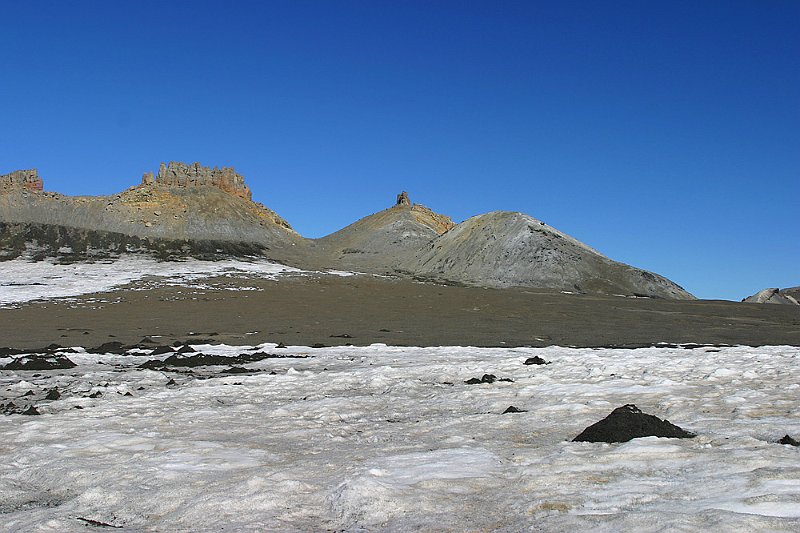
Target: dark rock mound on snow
(512, 409)
(112, 347)
(535, 360)
(629, 422)
(487, 378)
(40, 362)
(788, 440)
(790, 296)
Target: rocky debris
(535, 360)
(512, 409)
(236, 370)
(775, 296)
(53, 394)
(176, 174)
(788, 440)
(402, 199)
(202, 359)
(31, 411)
(21, 180)
(40, 362)
(629, 422)
(487, 378)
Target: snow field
(385, 438)
(23, 281)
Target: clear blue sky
(664, 134)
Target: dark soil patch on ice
(788, 440)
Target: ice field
(383, 438)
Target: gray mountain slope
(790, 296)
(505, 249)
(379, 242)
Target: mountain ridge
(188, 209)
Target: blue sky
(664, 134)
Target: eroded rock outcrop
(176, 174)
(22, 179)
(402, 199)
(775, 296)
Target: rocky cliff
(21, 180)
(176, 174)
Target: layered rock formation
(22, 180)
(790, 296)
(177, 174)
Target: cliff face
(176, 174)
(22, 180)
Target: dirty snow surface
(392, 439)
(24, 281)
